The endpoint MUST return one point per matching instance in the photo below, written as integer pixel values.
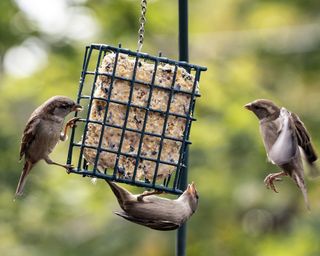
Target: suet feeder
(137, 118)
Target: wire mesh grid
(137, 116)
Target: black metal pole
(183, 56)
(183, 31)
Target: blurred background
(252, 48)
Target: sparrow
(285, 139)
(153, 211)
(42, 132)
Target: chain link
(142, 22)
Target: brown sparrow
(156, 212)
(283, 135)
(42, 133)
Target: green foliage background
(253, 49)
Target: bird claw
(268, 181)
(68, 167)
(148, 193)
(72, 122)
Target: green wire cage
(137, 119)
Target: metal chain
(142, 22)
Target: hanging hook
(142, 22)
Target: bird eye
(65, 106)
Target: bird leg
(148, 193)
(66, 166)
(268, 181)
(71, 123)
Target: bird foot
(148, 193)
(72, 122)
(272, 177)
(68, 167)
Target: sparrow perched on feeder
(42, 133)
(284, 134)
(156, 212)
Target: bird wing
(304, 140)
(154, 224)
(286, 146)
(28, 134)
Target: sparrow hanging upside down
(283, 135)
(156, 212)
(42, 133)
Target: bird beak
(77, 108)
(191, 189)
(248, 106)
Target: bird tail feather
(300, 183)
(23, 178)
(121, 193)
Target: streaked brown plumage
(42, 133)
(283, 134)
(156, 212)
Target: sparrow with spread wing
(284, 134)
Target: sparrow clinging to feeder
(156, 212)
(42, 132)
(284, 134)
